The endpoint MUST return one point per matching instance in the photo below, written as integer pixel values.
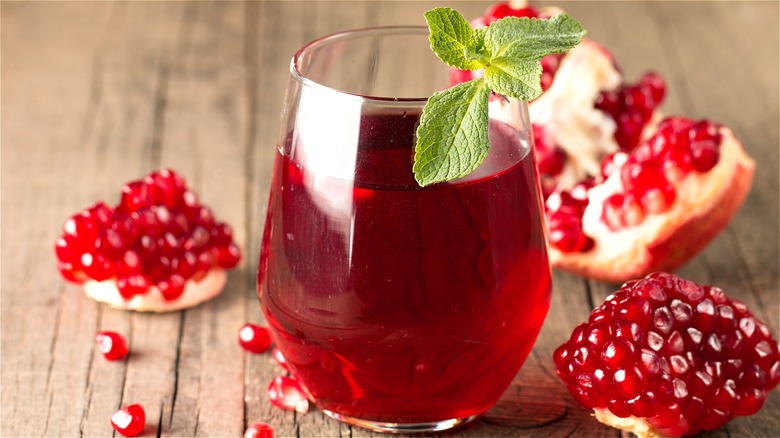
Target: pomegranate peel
(705, 204)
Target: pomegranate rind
(195, 292)
(635, 425)
(705, 204)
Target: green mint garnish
(452, 139)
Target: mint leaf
(525, 39)
(452, 138)
(516, 79)
(452, 39)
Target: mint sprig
(452, 139)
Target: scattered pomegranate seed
(286, 393)
(111, 344)
(158, 235)
(260, 430)
(683, 357)
(130, 420)
(254, 338)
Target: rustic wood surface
(98, 93)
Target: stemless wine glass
(398, 308)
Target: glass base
(378, 426)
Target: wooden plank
(46, 332)
(205, 119)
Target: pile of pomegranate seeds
(158, 235)
(680, 356)
(287, 393)
(111, 344)
(254, 338)
(130, 420)
(260, 430)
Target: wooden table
(96, 94)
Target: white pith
(195, 292)
(635, 425)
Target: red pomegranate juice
(402, 304)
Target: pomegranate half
(627, 191)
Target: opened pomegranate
(627, 191)
(664, 356)
(158, 249)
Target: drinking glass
(398, 308)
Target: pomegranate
(664, 356)
(627, 191)
(159, 249)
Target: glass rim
(299, 76)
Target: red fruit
(111, 344)
(260, 430)
(254, 338)
(682, 181)
(287, 393)
(130, 420)
(158, 238)
(651, 358)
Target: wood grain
(96, 94)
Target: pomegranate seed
(130, 420)
(260, 430)
(132, 285)
(254, 338)
(287, 393)
(671, 352)
(96, 266)
(228, 256)
(134, 196)
(101, 213)
(171, 288)
(63, 248)
(112, 345)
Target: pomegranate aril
(129, 264)
(287, 393)
(171, 288)
(254, 338)
(96, 266)
(228, 256)
(101, 213)
(110, 243)
(260, 430)
(111, 344)
(132, 285)
(134, 196)
(63, 248)
(130, 420)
